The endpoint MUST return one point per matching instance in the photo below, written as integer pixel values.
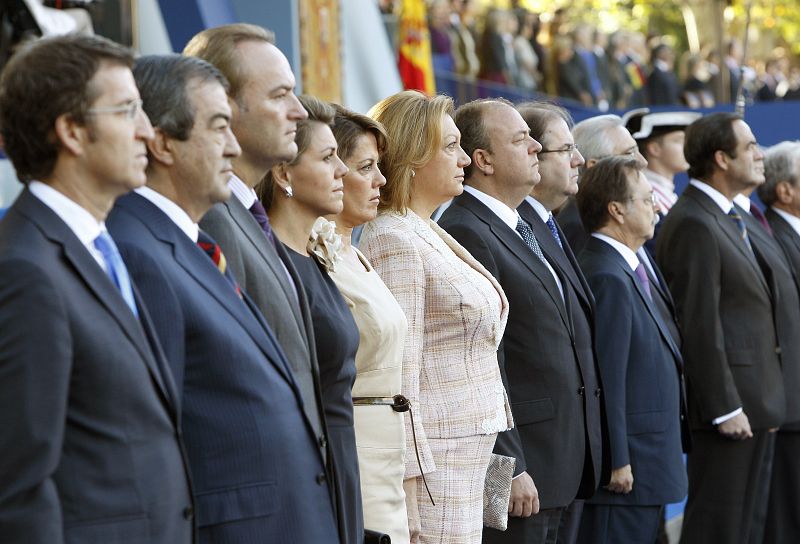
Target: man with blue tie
(640, 361)
(731, 347)
(257, 469)
(90, 424)
(546, 357)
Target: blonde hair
(413, 123)
(218, 46)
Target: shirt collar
(172, 210)
(541, 211)
(627, 253)
(743, 202)
(657, 179)
(721, 200)
(244, 194)
(77, 218)
(793, 221)
(507, 215)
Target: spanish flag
(414, 63)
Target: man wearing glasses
(89, 426)
(640, 361)
(546, 357)
(597, 138)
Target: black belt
(398, 403)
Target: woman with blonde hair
(379, 408)
(295, 195)
(456, 314)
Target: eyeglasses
(569, 150)
(130, 109)
(650, 199)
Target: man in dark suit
(546, 355)
(596, 137)
(730, 344)
(662, 83)
(254, 456)
(781, 192)
(559, 161)
(639, 359)
(247, 56)
(89, 428)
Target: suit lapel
(602, 248)
(556, 255)
(269, 254)
(94, 277)
(192, 259)
(729, 228)
(514, 243)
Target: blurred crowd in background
(559, 55)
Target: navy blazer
(88, 424)
(257, 469)
(642, 372)
(556, 404)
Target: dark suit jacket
(662, 88)
(256, 265)
(724, 306)
(553, 402)
(786, 307)
(256, 465)
(570, 221)
(642, 374)
(89, 432)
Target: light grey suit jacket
(256, 265)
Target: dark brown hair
(709, 134)
(606, 181)
(349, 126)
(44, 80)
(539, 115)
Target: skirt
(457, 489)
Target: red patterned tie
(214, 252)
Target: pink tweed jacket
(456, 314)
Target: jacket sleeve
(399, 264)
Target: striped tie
(741, 227)
(214, 252)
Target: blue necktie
(115, 268)
(737, 219)
(551, 224)
(525, 230)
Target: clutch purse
(497, 491)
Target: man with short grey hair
(781, 193)
(597, 138)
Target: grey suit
(256, 265)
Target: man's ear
(161, 148)
(72, 135)
(616, 211)
(721, 160)
(482, 160)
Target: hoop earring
(288, 191)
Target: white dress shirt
(82, 223)
(743, 202)
(663, 189)
(246, 195)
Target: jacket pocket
(647, 422)
(133, 529)
(236, 503)
(533, 411)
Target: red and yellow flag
(415, 64)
